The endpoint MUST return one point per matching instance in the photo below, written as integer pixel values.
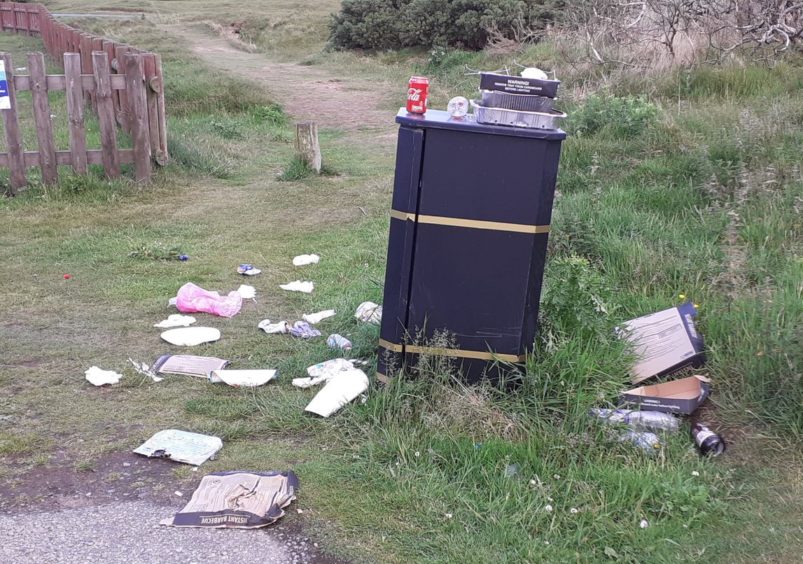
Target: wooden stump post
(307, 146)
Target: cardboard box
(518, 84)
(682, 396)
(664, 342)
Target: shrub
(468, 24)
(622, 116)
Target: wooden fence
(123, 85)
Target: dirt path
(305, 92)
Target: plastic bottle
(638, 420)
(707, 441)
(648, 442)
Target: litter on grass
(319, 316)
(678, 396)
(180, 446)
(247, 292)
(192, 299)
(646, 441)
(99, 377)
(339, 391)
(298, 286)
(323, 372)
(242, 378)
(188, 365)
(176, 320)
(663, 342)
(145, 370)
(638, 420)
(303, 260)
(237, 500)
(191, 336)
(336, 341)
(248, 270)
(369, 312)
(304, 330)
(271, 328)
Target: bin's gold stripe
(471, 223)
(460, 353)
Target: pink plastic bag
(192, 298)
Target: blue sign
(5, 100)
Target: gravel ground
(130, 532)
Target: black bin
(469, 225)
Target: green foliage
(622, 117)
(297, 169)
(156, 251)
(391, 24)
(271, 114)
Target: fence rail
(121, 84)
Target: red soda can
(417, 93)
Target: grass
(703, 200)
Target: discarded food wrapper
(663, 342)
(369, 312)
(247, 292)
(188, 365)
(237, 500)
(192, 298)
(176, 320)
(339, 391)
(278, 327)
(99, 377)
(242, 378)
(191, 336)
(678, 396)
(298, 286)
(303, 260)
(181, 446)
(248, 270)
(319, 316)
(304, 330)
(145, 370)
(336, 341)
(323, 371)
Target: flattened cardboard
(678, 396)
(188, 365)
(664, 342)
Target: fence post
(125, 111)
(75, 111)
(307, 145)
(16, 158)
(106, 119)
(138, 116)
(41, 114)
(159, 87)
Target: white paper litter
(323, 371)
(172, 302)
(176, 320)
(339, 391)
(247, 292)
(534, 72)
(319, 316)
(270, 328)
(191, 336)
(303, 260)
(181, 446)
(369, 312)
(242, 378)
(99, 377)
(145, 370)
(298, 286)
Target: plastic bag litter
(192, 298)
(369, 312)
(323, 371)
(181, 446)
(336, 341)
(191, 336)
(303, 260)
(345, 387)
(247, 292)
(99, 377)
(145, 370)
(298, 286)
(319, 316)
(176, 320)
(304, 330)
(242, 378)
(271, 328)
(248, 270)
